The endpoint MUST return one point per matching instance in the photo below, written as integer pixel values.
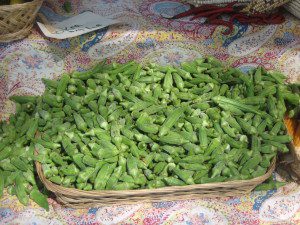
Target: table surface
(148, 37)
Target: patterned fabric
(148, 37)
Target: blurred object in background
(16, 20)
(293, 7)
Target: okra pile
(128, 126)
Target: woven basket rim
(19, 6)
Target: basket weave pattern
(17, 20)
(75, 198)
(294, 7)
(263, 6)
(252, 6)
(201, 2)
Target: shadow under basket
(75, 198)
(16, 21)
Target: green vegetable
(271, 185)
(129, 126)
(23, 99)
(170, 121)
(85, 174)
(2, 183)
(18, 163)
(103, 176)
(236, 104)
(81, 124)
(203, 137)
(39, 198)
(173, 139)
(67, 6)
(62, 84)
(185, 175)
(5, 153)
(20, 190)
(112, 181)
(172, 181)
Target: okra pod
(185, 175)
(172, 181)
(20, 190)
(173, 139)
(39, 198)
(170, 121)
(103, 176)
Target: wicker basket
(17, 20)
(252, 6)
(201, 2)
(75, 198)
(293, 7)
(83, 199)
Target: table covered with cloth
(147, 37)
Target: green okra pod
(145, 125)
(20, 190)
(194, 159)
(2, 183)
(216, 142)
(23, 99)
(126, 178)
(246, 127)
(6, 165)
(158, 168)
(20, 164)
(168, 81)
(172, 181)
(85, 174)
(251, 163)
(269, 186)
(5, 153)
(78, 160)
(268, 149)
(32, 130)
(276, 138)
(113, 180)
(217, 169)
(62, 84)
(192, 148)
(80, 123)
(259, 171)
(173, 139)
(185, 175)
(103, 176)
(39, 198)
(170, 121)
(124, 186)
(192, 166)
(132, 166)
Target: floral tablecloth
(146, 36)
